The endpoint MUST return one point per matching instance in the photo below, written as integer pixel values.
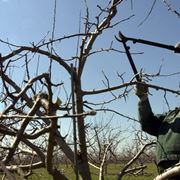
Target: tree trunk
(82, 156)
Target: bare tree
(32, 107)
(30, 111)
(103, 142)
(125, 168)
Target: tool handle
(123, 40)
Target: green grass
(149, 173)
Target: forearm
(149, 122)
(144, 110)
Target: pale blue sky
(26, 21)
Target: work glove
(141, 90)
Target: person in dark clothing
(166, 127)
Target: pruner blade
(123, 40)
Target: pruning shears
(123, 40)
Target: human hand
(141, 90)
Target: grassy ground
(149, 173)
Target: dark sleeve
(150, 123)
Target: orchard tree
(30, 111)
(34, 106)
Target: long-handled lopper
(123, 40)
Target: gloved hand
(141, 90)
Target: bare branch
(171, 172)
(37, 50)
(149, 13)
(100, 27)
(88, 113)
(21, 131)
(100, 91)
(101, 170)
(170, 8)
(132, 160)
